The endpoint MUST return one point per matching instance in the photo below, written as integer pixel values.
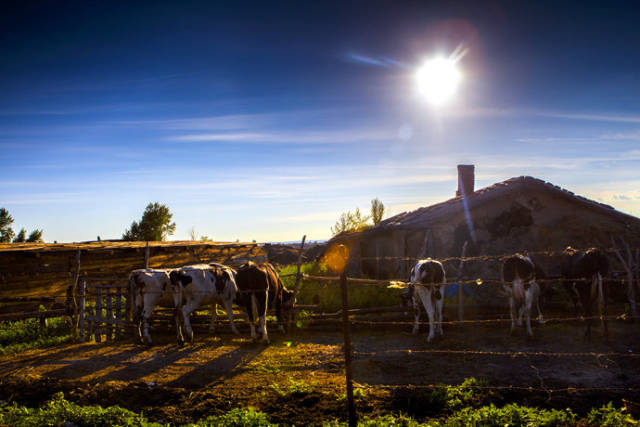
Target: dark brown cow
(585, 271)
(260, 287)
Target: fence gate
(104, 308)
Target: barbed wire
(510, 354)
(500, 257)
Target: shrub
(59, 411)
(237, 418)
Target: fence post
(295, 286)
(98, 324)
(460, 291)
(74, 290)
(146, 255)
(118, 311)
(346, 328)
(81, 324)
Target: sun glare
(438, 79)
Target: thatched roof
(424, 217)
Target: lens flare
(437, 79)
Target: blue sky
(266, 121)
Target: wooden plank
(98, 323)
(118, 311)
(82, 310)
(109, 314)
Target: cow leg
(278, 305)
(528, 302)
(214, 316)
(178, 319)
(587, 305)
(187, 309)
(603, 308)
(263, 302)
(512, 308)
(228, 306)
(438, 313)
(250, 308)
(540, 317)
(425, 296)
(416, 314)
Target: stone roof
(425, 216)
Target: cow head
(428, 272)
(288, 298)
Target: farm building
(521, 213)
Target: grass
(327, 295)
(463, 405)
(27, 335)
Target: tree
(6, 232)
(155, 224)
(377, 211)
(349, 222)
(7, 235)
(21, 237)
(35, 236)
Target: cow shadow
(220, 368)
(77, 368)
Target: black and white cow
(519, 277)
(260, 287)
(152, 288)
(583, 273)
(428, 281)
(205, 284)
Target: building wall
(532, 221)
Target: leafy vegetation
(465, 405)
(155, 224)
(350, 222)
(27, 334)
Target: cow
(260, 287)
(519, 277)
(428, 282)
(582, 273)
(151, 288)
(205, 284)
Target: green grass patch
(27, 335)
(327, 295)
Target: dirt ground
(299, 378)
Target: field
(299, 377)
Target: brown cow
(260, 287)
(585, 270)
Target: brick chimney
(466, 178)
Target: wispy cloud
(291, 137)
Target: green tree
(35, 236)
(155, 224)
(6, 232)
(21, 237)
(349, 222)
(377, 211)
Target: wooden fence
(104, 309)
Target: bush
(511, 414)
(237, 418)
(609, 416)
(59, 411)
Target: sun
(437, 80)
